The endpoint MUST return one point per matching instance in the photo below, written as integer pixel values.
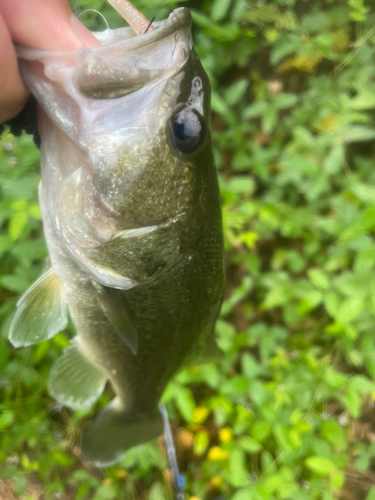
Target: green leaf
(337, 479)
(352, 402)
(237, 296)
(358, 133)
(243, 494)
(157, 492)
(255, 110)
(82, 491)
(350, 309)
(5, 244)
(219, 105)
(284, 101)
(240, 185)
(60, 458)
(333, 432)
(14, 283)
(238, 475)
(281, 435)
(364, 100)
(319, 465)
(364, 223)
(249, 444)
(371, 494)
(236, 91)
(235, 386)
(260, 431)
(278, 295)
(17, 224)
(219, 9)
(319, 279)
(106, 492)
(20, 485)
(250, 366)
(185, 403)
(334, 378)
(201, 442)
(6, 419)
(362, 384)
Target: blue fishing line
(178, 478)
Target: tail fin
(113, 432)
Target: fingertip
(45, 25)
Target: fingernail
(85, 37)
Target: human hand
(42, 24)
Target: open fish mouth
(119, 65)
(102, 77)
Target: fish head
(151, 126)
(125, 146)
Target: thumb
(42, 24)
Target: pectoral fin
(74, 380)
(41, 312)
(115, 307)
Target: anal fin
(41, 312)
(74, 380)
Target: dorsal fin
(41, 312)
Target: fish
(131, 214)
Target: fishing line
(94, 10)
(179, 480)
(76, 8)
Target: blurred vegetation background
(288, 412)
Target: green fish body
(131, 212)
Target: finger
(45, 24)
(48, 25)
(13, 92)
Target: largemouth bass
(132, 219)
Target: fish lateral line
(136, 20)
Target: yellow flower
(216, 454)
(217, 481)
(121, 474)
(200, 414)
(225, 434)
(107, 480)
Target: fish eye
(187, 130)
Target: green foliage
(277, 417)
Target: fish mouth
(111, 70)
